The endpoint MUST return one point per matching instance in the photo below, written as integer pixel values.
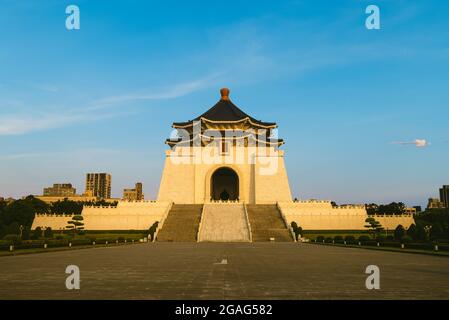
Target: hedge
(52, 243)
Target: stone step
(181, 224)
(224, 223)
(266, 222)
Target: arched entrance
(224, 184)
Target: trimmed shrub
(57, 243)
(319, 239)
(79, 241)
(103, 240)
(30, 244)
(443, 247)
(350, 239)
(420, 246)
(328, 240)
(37, 233)
(391, 244)
(364, 238)
(406, 239)
(12, 237)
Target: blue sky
(103, 98)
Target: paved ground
(253, 271)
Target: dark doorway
(225, 185)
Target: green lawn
(405, 250)
(42, 250)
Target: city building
(98, 185)
(60, 190)
(224, 180)
(444, 195)
(133, 194)
(434, 204)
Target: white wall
(320, 215)
(138, 215)
(187, 175)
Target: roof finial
(224, 93)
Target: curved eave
(277, 142)
(264, 125)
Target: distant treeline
(394, 208)
(21, 212)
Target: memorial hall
(224, 180)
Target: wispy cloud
(419, 143)
(170, 92)
(46, 87)
(68, 154)
(16, 124)
(21, 123)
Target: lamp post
(21, 231)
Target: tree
(13, 228)
(371, 209)
(66, 207)
(296, 229)
(76, 224)
(394, 208)
(421, 233)
(152, 230)
(374, 226)
(37, 233)
(23, 211)
(48, 233)
(411, 231)
(19, 211)
(399, 232)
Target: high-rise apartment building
(444, 195)
(60, 190)
(98, 185)
(133, 194)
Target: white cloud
(419, 143)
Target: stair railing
(247, 223)
(161, 223)
(201, 224)
(284, 218)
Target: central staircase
(181, 224)
(266, 222)
(224, 223)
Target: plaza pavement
(224, 271)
